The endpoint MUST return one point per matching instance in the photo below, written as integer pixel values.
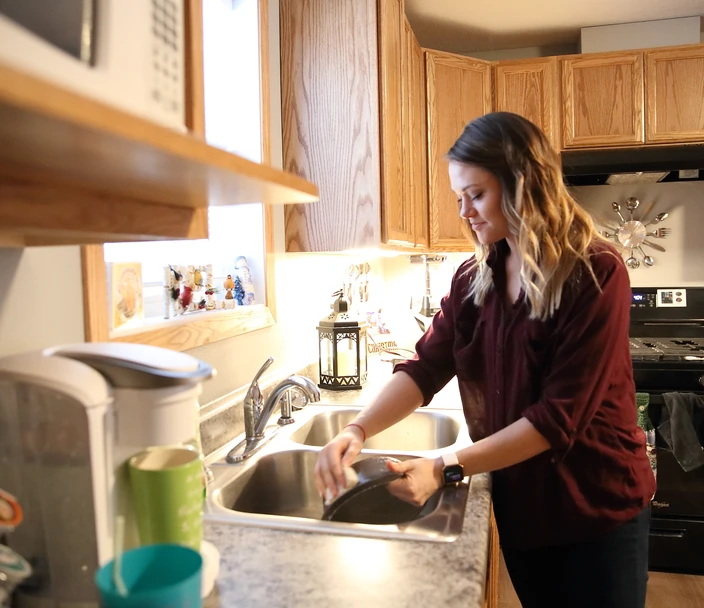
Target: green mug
(167, 495)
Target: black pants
(610, 571)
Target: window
(235, 92)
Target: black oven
(667, 349)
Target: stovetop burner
(667, 349)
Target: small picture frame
(126, 299)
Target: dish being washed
(370, 501)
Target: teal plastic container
(156, 576)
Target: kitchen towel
(642, 403)
(683, 414)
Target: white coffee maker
(70, 417)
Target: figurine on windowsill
(239, 292)
(210, 296)
(243, 273)
(228, 285)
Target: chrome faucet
(258, 410)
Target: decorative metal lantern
(342, 343)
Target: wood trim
(186, 332)
(59, 137)
(491, 592)
(265, 93)
(265, 82)
(95, 294)
(569, 103)
(195, 81)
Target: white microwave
(126, 53)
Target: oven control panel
(659, 298)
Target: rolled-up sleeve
(434, 365)
(589, 348)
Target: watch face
(453, 474)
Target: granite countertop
(282, 568)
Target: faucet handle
(253, 393)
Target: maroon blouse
(570, 376)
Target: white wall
(41, 298)
(526, 52)
(682, 265)
(624, 36)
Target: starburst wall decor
(632, 234)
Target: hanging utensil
(660, 233)
(617, 208)
(632, 204)
(631, 262)
(647, 260)
(654, 246)
(658, 218)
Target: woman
(535, 327)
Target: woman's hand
(339, 453)
(422, 477)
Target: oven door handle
(673, 323)
(665, 533)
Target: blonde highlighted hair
(553, 232)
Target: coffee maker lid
(137, 365)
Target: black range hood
(657, 164)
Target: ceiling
(462, 26)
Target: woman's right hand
(338, 453)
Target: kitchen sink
(278, 490)
(421, 431)
(275, 487)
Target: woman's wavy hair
(553, 232)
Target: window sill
(189, 331)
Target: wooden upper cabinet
(675, 95)
(530, 87)
(458, 90)
(397, 220)
(602, 96)
(418, 155)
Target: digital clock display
(638, 297)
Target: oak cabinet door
(458, 90)
(602, 98)
(675, 95)
(530, 87)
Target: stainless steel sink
(421, 431)
(276, 488)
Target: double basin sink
(275, 488)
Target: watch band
(450, 459)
